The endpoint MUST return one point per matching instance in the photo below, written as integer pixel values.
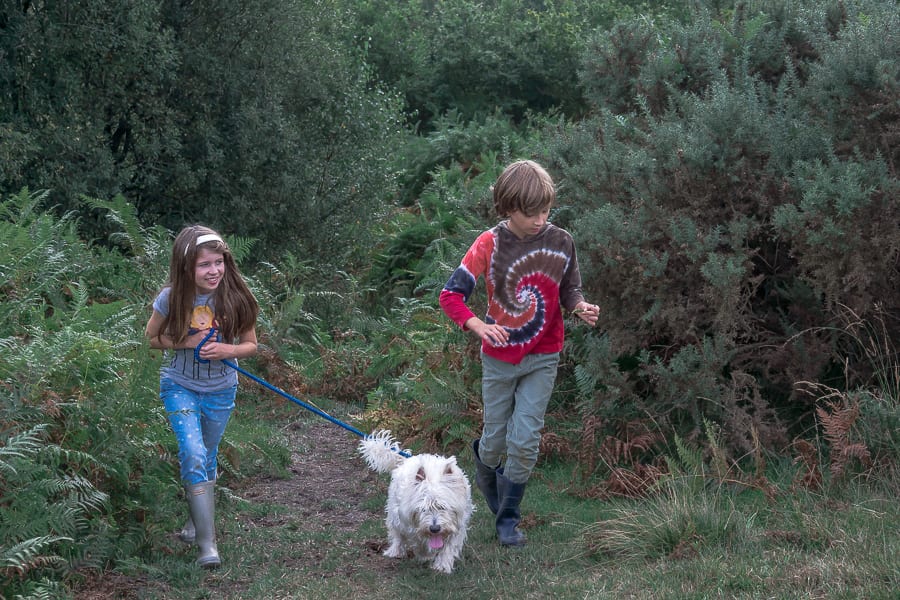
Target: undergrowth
(87, 454)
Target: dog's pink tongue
(435, 542)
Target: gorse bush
(727, 211)
(478, 58)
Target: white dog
(429, 502)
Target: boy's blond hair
(523, 186)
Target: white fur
(429, 502)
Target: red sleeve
(462, 282)
(454, 306)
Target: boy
(531, 273)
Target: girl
(205, 291)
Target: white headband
(208, 237)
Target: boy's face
(524, 225)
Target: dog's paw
(395, 550)
(442, 564)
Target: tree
(253, 119)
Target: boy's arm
(589, 313)
(461, 284)
(571, 297)
(459, 313)
(454, 306)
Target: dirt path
(324, 466)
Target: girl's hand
(589, 313)
(193, 340)
(213, 350)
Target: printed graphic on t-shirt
(202, 319)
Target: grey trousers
(515, 400)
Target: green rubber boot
(202, 502)
(188, 533)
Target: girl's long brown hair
(235, 305)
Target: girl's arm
(246, 346)
(153, 331)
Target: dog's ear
(449, 469)
(420, 474)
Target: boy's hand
(494, 335)
(589, 313)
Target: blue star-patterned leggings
(198, 420)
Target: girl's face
(524, 225)
(208, 270)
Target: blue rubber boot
(486, 480)
(508, 514)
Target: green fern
(44, 514)
(585, 380)
(39, 256)
(20, 445)
(29, 555)
(128, 233)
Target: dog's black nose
(435, 529)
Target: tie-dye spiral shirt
(528, 282)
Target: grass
(689, 541)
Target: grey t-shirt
(180, 365)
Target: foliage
(423, 394)
(728, 170)
(459, 145)
(681, 511)
(199, 112)
(24, 550)
(68, 341)
(40, 256)
(725, 213)
(477, 58)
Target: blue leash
(280, 392)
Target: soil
(324, 465)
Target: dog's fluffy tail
(381, 451)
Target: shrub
(726, 211)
